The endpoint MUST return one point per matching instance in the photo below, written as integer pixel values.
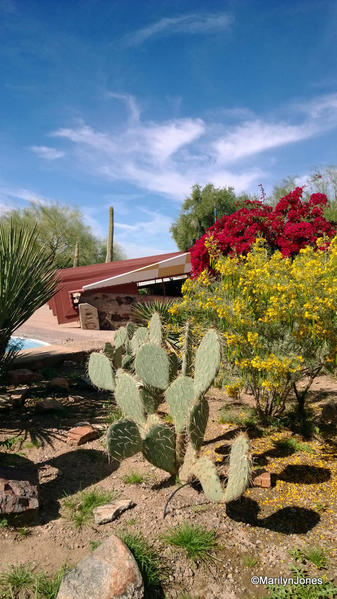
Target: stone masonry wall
(114, 309)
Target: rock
(110, 511)
(22, 376)
(82, 434)
(109, 572)
(19, 491)
(47, 405)
(88, 316)
(262, 479)
(60, 383)
(329, 411)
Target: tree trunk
(110, 240)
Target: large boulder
(109, 572)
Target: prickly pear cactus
(128, 397)
(155, 329)
(173, 448)
(159, 447)
(100, 372)
(239, 468)
(123, 439)
(180, 398)
(152, 365)
(207, 362)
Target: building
(112, 288)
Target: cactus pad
(151, 399)
(198, 422)
(207, 362)
(152, 365)
(123, 439)
(128, 397)
(180, 398)
(173, 366)
(159, 447)
(109, 350)
(206, 472)
(239, 468)
(120, 337)
(156, 335)
(100, 372)
(130, 329)
(187, 353)
(138, 339)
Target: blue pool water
(26, 343)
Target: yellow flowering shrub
(278, 317)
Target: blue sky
(131, 102)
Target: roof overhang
(171, 267)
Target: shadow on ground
(77, 470)
(288, 520)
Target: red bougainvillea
(289, 226)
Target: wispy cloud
(47, 153)
(257, 136)
(10, 195)
(188, 24)
(130, 103)
(169, 157)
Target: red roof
(73, 279)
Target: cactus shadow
(304, 474)
(169, 481)
(77, 470)
(224, 437)
(288, 520)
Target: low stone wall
(114, 309)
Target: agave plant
(143, 311)
(27, 279)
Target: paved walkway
(43, 325)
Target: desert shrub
(278, 316)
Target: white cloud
(188, 24)
(257, 136)
(169, 157)
(47, 153)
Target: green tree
(27, 280)
(60, 228)
(197, 212)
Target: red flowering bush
(291, 225)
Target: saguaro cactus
(173, 448)
(110, 239)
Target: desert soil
(298, 511)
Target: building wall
(114, 309)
